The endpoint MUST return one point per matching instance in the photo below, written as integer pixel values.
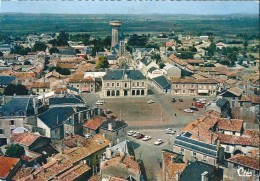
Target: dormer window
(21, 113)
(1, 114)
(12, 113)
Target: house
(242, 167)
(221, 105)
(161, 84)
(92, 125)
(58, 122)
(8, 167)
(82, 84)
(171, 70)
(145, 64)
(34, 143)
(114, 130)
(233, 95)
(40, 87)
(191, 86)
(14, 113)
(141, 52)
(124, 166)
(122, 82)
(112, 59)
(154, 72)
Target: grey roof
(67, 99)
(144, 49)
(73, 88)
(116, 125)
(111, 57)
(196, 146)
(55, 117)
(222, 103)
(162, 82)
(194, 170)
(67, 52)
(146, 61)
(5, 80)
(118, 74)
(18, 105)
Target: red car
(140, 136)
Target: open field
(98, 24)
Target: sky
(129, 7)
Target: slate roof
(54, 117)
(118, 74)
(67, 52)
(116, 125)
(6, 80)
(152, 69)
(6, 165)
(111, 57)
(67, 99)
(196, 146)
(162, 82)
(17, 105)
(146, 61)
(222, 103)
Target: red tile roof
(37, 85)
(94, 123)
(245, 161)
(24, 138)
(238, 140)
(6, 165)
(230, 124)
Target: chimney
(177, 176)
(108, 153)
(34, 105)
(3, 100)
(205, 176)
(109, 127)
(14, 94)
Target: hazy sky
(130, 7)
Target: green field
(98, 24)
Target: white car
(203, 99)
(150, 101)
(99, 103)
(170, 132)
(130, 133)
(188, 110)
(158, 142)
(146, 138)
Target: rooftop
(120, 74)
(25, 139)
(245, 161)
(116, 124)
(94, 122)
(6, 165)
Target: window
(204, 157)
(125, 84)
(176, 86)
(183, 91)
(12, 113)
(194, 154)
(1, 131)
(21, 113)
(235, 166)
(113, 84)
(108, 84)
(227, 148)
(12, 122)
(77, 85)
(192, 86)
(117, 84)
(43, 90)
(137, 83)
(88, 162)
(97, 157)
(56, 131)
(182, 150)
(183, 85)
(133, 84)
(37, 90)
(142, 83)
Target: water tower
(115, 30)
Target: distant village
(49, 131)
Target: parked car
(135, 134)
(170, 132)
(130, 133)
(150, 101)
(173, 99)
(194, 108)
(181, 100)
(146, 138)
(203, 99)
(188, 110)
(99, 103)
(158, 142)
(140, 136)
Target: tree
(245, 44)
(170, 49)
(62, 39)
(102, 62)
(137, 41)
(27, 62)
(156, 57)
(15, 151)
(53, 50)
(39, 46)
(12, 89)
(62, 71)
(161, 65)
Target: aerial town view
(129, 90)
